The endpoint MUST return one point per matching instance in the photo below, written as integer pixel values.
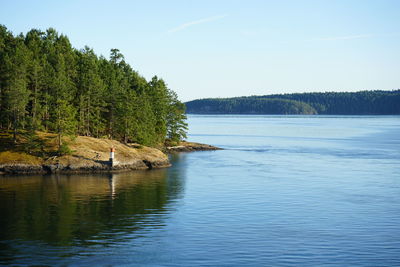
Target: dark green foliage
(34, 145)
(91, 100)
(64, 149)
(331, 103)
(47, 85)
(15, 91)
(176, 119)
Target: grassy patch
(39, 144)
(18, 157)
(40, 147)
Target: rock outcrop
(190, 147)
(88, 155)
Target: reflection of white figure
(112, 185)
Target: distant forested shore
(47, 85)
(328, 103)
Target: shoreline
(185, 146)
(91, 155)
(26, 169)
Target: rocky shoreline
(91, 155)
(190, 147)
(87, 155)
(23, 168)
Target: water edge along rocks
(88, 154)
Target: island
(63, 109)
(377, 102)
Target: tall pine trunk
(88, 117)
(59, 142)
(15, 127)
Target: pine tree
(6, 40)
(112, 76)
(158, 93)
(16, 94)
(48, 85)
(90, 94)
(63, 113)
(176, 118)
(33, 42)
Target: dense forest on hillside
(47, 85)
(330, 103)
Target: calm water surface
(302, 191)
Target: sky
(225, 48)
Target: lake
(286, 190)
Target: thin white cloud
(348, 37)
(195, 22)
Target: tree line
(47, 85)
(328, 103)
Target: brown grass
(18, 157)
(99, 149)
(85, 151)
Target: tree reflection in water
(82, 210)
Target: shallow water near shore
(286, 190)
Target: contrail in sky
(195, 22)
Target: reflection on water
(83, 210)
(297, 190)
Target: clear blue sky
(222, 48)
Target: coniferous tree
(90, 94)
(48, 85)
(6, 39)
(16, 94)
(33, 42)
(62, 90)
(159, 94)
(176, 118)
(113, 76)
(62, 110)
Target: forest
(47, 85)
(328, 103)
